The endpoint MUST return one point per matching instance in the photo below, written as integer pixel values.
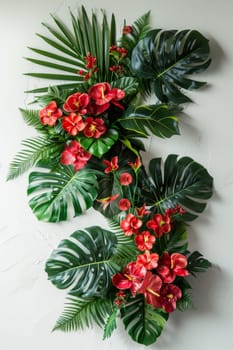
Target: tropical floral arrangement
(92, 122)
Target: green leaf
(166, 58)
(35, 149)
(128, 84)
(185, 303)
(83, 312)
(156, 119)
(86, 261)
(56, 192)
(31, 118)
(110, 325)
(180, 181)
(143, 322)
(196, 263)
(98, 147)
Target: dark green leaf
(185, 303)
(181, 181)
(86, 261)
(167, 58)
(143, 322)
(155, 119)
(56, 192)
(128, 84)
(196, 263)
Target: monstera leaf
(86, 261)
(158, 119)
(167, 58)
(181, 181)
(143, 323)
(56, 192)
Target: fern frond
(31, 118)
(79, 313)
(35, 149)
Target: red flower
(130, 225)
(148, 260)
(94, 127)
(91, 61)
(171, 266)
(135, 165)
(75, 155)
(73, 124)
(131, 277)
(124, 204)
(118, 95)
(111, 165)
(142, 211)
(127, 29)
(77, 103)
(107, 200)
(101, 93)
(160, 224)
(49, 114)
(144, 240)
(151, 289)
(126, 179)
(169, 294)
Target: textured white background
(29, 304)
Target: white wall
(29, 304)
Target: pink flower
(171, 266)
(124, 204)
(160, 224)
(112, 165)
(127, 29)
(126, 179)
(130, 225)
(73, 124)
(77, 103)
(107, 200)
(131, 278)
(94, 127)
(148, 260)
(169, 294)
(49, 114)
(144, 240)
(75, 155)
(151, 289)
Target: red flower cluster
(75, 155)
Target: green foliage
(166, 58)
(98, 147)
(79, 313)
(185, 303)
(143, 322)
(196, 263)
(58, 191)
(110, 325)
(180, 181)
(86, 261)
(158, 119)
(36, 148)
(31, 118)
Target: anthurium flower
(124, 204)
(169, 294)
(77, 103)
(142, 211)
(74, 154)
(101, 93)
(151, 289)
(131, 277)
(171, 266)
(126, 179)
(118, 95)
(107, 200)
(49, 114)
(148, 260)
(94, 127)
(160, 224)
(144, 240)
(73, 123)
(131, 224)
(112, 165)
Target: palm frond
(31, 118)
(79, 313)
(35, 149)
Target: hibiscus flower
(49, 114)
(74, 154)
